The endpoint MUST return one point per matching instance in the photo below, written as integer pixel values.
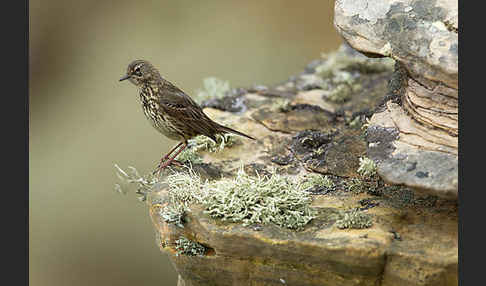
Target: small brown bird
(171, 111)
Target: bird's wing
(185, 113)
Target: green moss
(367, 167)
(213, 88)
(185, 246)
(354, 219)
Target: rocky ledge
(303, 204)
(422, 125)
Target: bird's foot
(162, 165)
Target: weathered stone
(411, 245)
(431, 168)
(365, 232)
(422, 37)
(422, 34)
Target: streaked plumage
(171, 111)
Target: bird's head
(141, 72)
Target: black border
(15, 135)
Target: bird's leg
(166, 157)
(168, 154)
(168, 162)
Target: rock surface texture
(420, 127)
(363, 230)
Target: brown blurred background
(83, 121)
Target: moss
(213, 88)
(185, 246)
(367, 167)
(354, 219)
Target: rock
(422, 37)
(347, 229)
(408, 243)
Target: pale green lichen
(355, 123)
(190, 154)
(280, 105)
(314, 180)
(247, 199)
(204, 143)
(354, 219)
(186, 187)
(340, 73)
(185, 246)
(259, 200)
(173, 214)
(144, 183)
(340, 93)
(341, 61)
(356, 185)
(367, 167)
(213, 88)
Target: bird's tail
(222, 128)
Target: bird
(171, 111)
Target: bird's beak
(125, 77)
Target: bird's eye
(137, 71)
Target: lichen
(185, 187)
(173, 214)
(354, 219)
(356, 185)
(340, 94)
(280, 105)
(185, 246)
(204, 143)
(144, 183)
(190, 154)
(259, 200)
(340, 73)
(314, 180)
(367, 167)
(356, 122)
(247, 199)
(213, 88)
